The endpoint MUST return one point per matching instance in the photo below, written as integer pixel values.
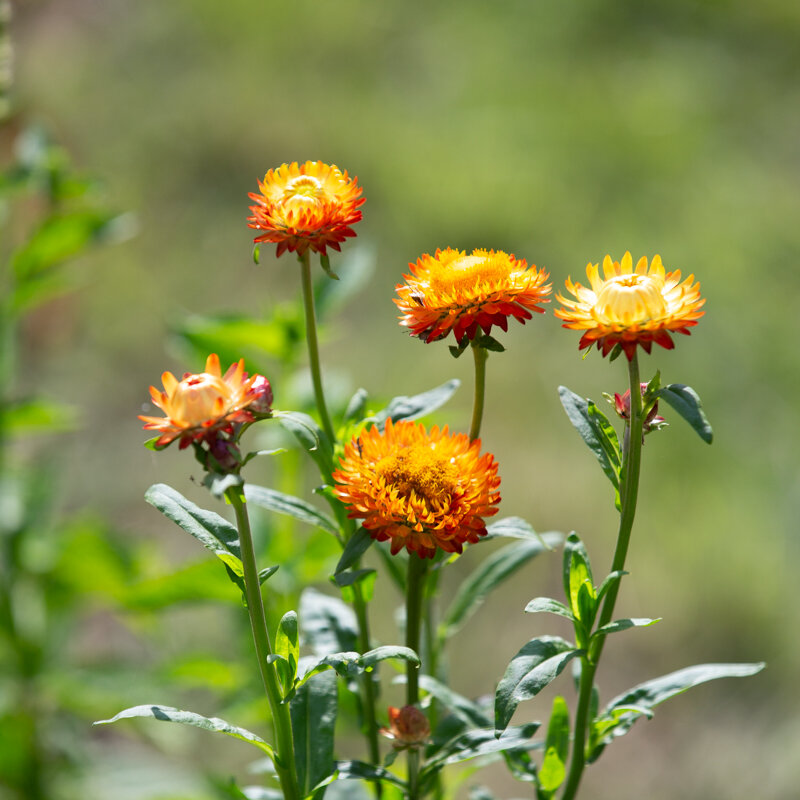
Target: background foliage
(555, 131)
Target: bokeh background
(556, 131)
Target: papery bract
(453, 291)
(628, 307)
(422, 491)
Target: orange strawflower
(453, 291)
(408, 728)
(419, 490)
(201, 405)
(308, 206)
(628, 307)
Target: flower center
(304, 191)
(469, 272)
(631, 299)
(199, 398)
(420, 470)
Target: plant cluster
(423, 495)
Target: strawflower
(308, 206)
(408, 728)
(453, 291)
(628, 307)
(200, 406)
(418, 490)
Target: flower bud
(622, 403)
(408, 728)
(260, 396)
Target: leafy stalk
(284, 746)
(631, 463)
(313, 346)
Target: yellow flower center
(469, 272)
(199, 398)
(631, 299)
(302, 192)
(420, 470)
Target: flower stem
(480, 355)
(284, 746)
(631, 464)
(415, 591)
(313, 346)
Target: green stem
(415, 592)
(631, 464)
(284, 744)
(480, 354)
(367, 685)
(313, 346)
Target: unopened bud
(408, 728)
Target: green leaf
(287, 644)
(463, 708)
(576, 571)
(419, 405)
(483, 742)
(266, 573)
(357, 406)
(624, 625)
(363, 578)
(325, 263)
(311, 438)
(550, 606)
(490, 343)
(490, 573)
(214, 724)
(210, 529)
(328, 624)
(532, 668)
(686, 402)
(622, 712)
(282, 503)
(350, 664)
(518, 528)
(595, 430)
(313, 712)
(356, 546)
(611, 579)
(553, 771)
(355, 770)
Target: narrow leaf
(595, 430)
(214, 724)
(483, 742)
(287, 643)
(313, 712)
(282, 503)
(465, 709)
(624, 625)
(310, 436)
(531, 669)
(686, 402)
(328, 624)
(550, 606)
(553, 772)
(518, 528)
(419, 405)
(490, 573)
(356, 546)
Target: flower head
(419, 490)
(453, 291)
(629, 307)
(408, 728)
(201, 405)
(306, 206)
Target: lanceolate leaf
(686, 402)
(518, 528)
(214, 724)
(313, 711)
(457, 704)
(482, 742)
(595, 430)
(491, 572)
(549, 605)
(328, 624)
(621, 713)
(553, 772)
(352, 770)
(282, 503)
(210, 529)
(417, 406)
(624, 625)
(356, 546)
(350, 664)
(310, 436)
(531, 669)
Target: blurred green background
(556, 131)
